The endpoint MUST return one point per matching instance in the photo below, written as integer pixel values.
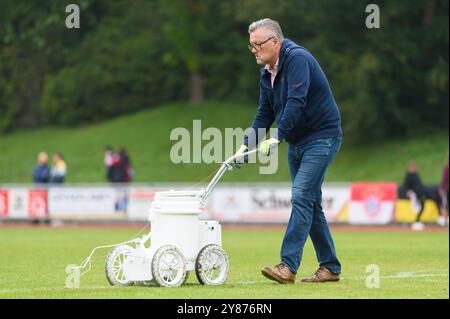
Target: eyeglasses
(257, 46)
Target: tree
(185, 28)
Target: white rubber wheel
(113, 268)
(169, 266)
(211, 266)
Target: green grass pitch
(412, 265)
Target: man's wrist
(279, 135)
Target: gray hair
(271, 25)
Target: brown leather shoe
(280, 273)
(322, 275)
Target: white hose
(87, 262)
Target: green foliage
(128, 55)
(117, 69)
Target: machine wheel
(169, 266)
(211, 266)
(113, 268)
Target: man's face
(42, 158)
(265, 52)
(412, 168)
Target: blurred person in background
(122, 173)
(418, 193)
(415, 190)
(125, 165)
(59, 169)
(41, 172)
(118, 165)
(443, 193)
(109, 159)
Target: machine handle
(225, 166)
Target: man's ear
(277, 41)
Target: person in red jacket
(125, 165)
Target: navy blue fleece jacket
(301, 101)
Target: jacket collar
(286, 46)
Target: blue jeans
(308, 163)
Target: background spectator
(59, 169)
(118, 165)
(41, 172)
(125, 163)
(443, 192)
(417, 192)
(108, 160)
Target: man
(41, 172)
(295, 93)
